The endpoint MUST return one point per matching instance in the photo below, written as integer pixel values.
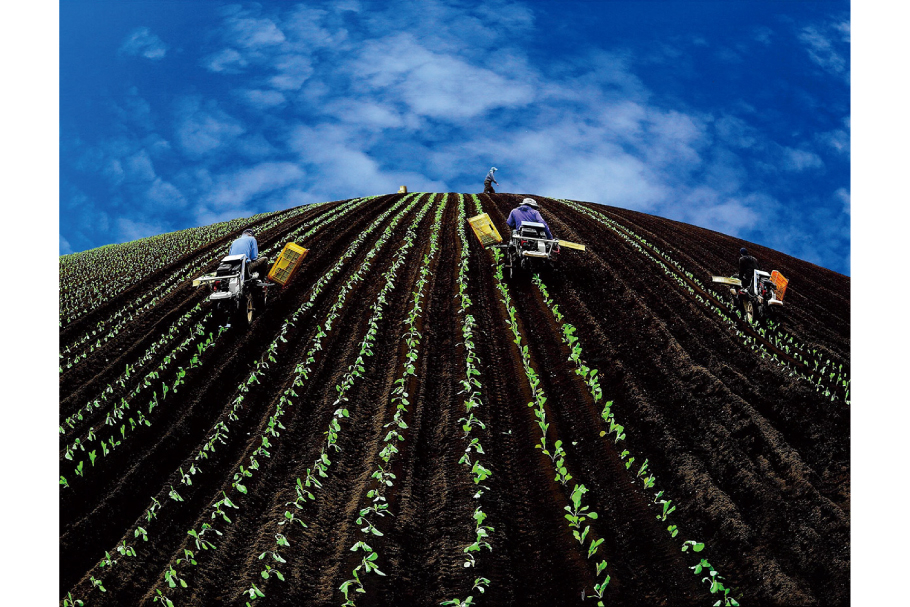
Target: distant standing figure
(747, 267)
(487, 187)
(527, 211)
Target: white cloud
(736, 216)
(293, 70)
(433, 84)
(164, 197)
(65, 247)
(822, 51)
(256, 146)
(240, 187)
(838, 140)
(763, 35)
(226, 60)
(142, 42)
(128, 230)
(369, 114)
(139, 166)
(800, 160)
(204, 128)
(842, 195)
(347, 170)
(262, 99)
(252, 33)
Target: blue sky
(734, 116)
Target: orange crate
(287, 263)
(780, 284)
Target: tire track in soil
(718, 425)
(761, 504)
(820, 308)
(225, 578)
(146, 285)
(422, 543)
(637, 547)
(91, 374)
(88, 528)
(139, 576)
(535, 560)
(318, 553)
(762, 383)
(767, 454)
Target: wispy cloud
(801, 160)
(236, 189)
(842, 195)
(262, 99)
(827, 46)
(204, 127)
(304, 103)
(128, 229)
(226, 60)
(143, 43)
(65, 247)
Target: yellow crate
(287, 263)
(484, 229)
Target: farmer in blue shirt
(527, 211)
(246, 245)
(487, 188)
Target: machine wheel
(245, 310)
(748, 311)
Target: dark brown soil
(756, 460)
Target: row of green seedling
(772, 333)
(121, 265)
(156, 293)
(383, 478)
(116, 321)
(97, 404)
(579, 515)
(304, 490)
(128, 414)
(221, 430)
(302, 233)
(471, 424)
(172, 575)
(134, 309)
(664, 507)
(763, 347)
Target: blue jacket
(526, 213)
(489, 177)
(245, 245)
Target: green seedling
(254, 592)
(188, 556)
(69, 601)
(269, 571)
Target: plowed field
(399, 399)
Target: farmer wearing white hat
(527, 211)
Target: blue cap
(743, 252)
